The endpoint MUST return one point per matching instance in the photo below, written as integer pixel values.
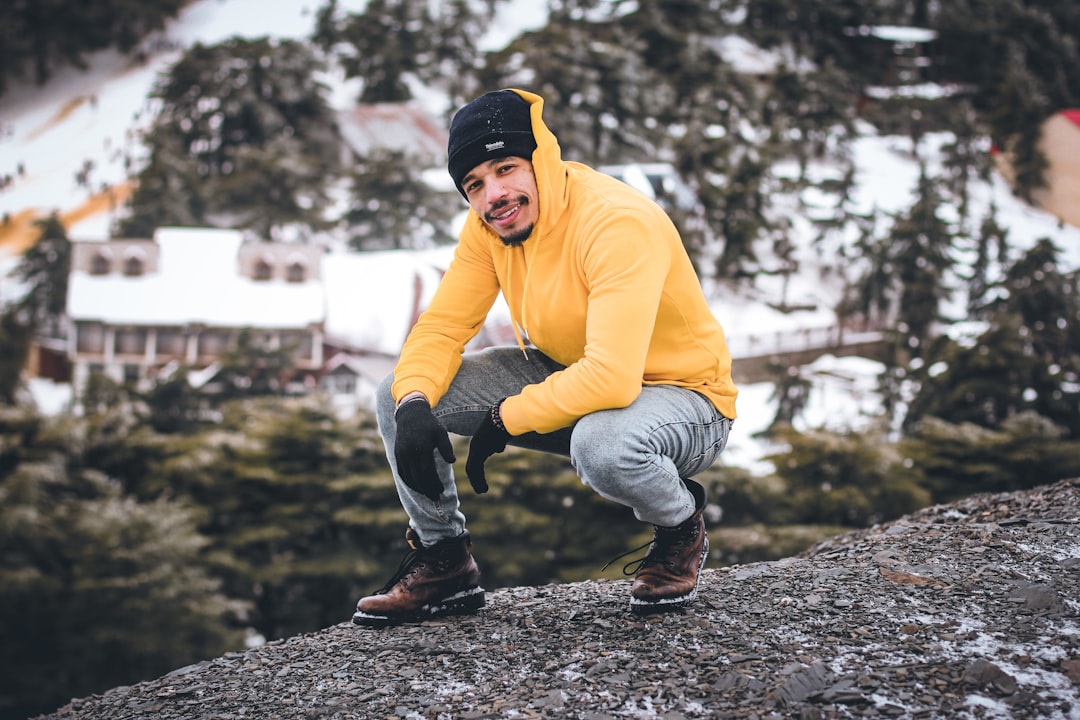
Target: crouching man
(619, 364)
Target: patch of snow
(511, 20)
(901, 33)
(50, 398)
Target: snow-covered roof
(899, 33)
(198, 281)
(373, 367)
(373, 297)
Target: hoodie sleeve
(431, 355)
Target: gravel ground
(966, 610)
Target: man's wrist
(496, 416)
(414, 395)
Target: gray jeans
(636, 456)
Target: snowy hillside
(69, 146)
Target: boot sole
(647, 607)
(462, 603)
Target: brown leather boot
(667, 577)
(442, 579)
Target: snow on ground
(49, 133)
(843, 397)
(96, 115)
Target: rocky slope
(967, 610)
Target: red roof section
(403, 126)
(1073, 115)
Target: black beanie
(494, 125)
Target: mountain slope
(965, 610)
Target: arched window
(297, 272)
(264, 269)
(134, 262)
(101, 263)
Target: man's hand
(419, 435)
(490, 438)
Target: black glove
(419, 435)
(490, 438)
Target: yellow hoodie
(603, 285)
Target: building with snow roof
(136, 306)
(901, 55)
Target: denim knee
(597, 454)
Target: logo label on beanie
(491, 147)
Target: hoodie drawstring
(518, 330)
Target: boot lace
(664, 544)
(412, 561)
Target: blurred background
(220, 218)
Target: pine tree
(744, 219)
(255, 368)
(300, 509)
(44, 269)
(991, 249)
(244, 138)
(957, 459)
(903, 286)
(1021, 57)
(964, 159)
(809, 111)
(1027, 360)
(820, 30)
(393, 207)
(394, 43)
(1018, 115)
(849, 480)
(15, 337)
(593, 71)
(921, 256)
(872, 294)
(1047, 303)
(386, 42)
(981, 383)
(173, 406)
(86, 574)
(38, 38)
(791, 392)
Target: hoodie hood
(548, 166)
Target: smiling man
(511, 185)
(619, 364)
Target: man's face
(503, 193)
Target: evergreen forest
(163, 526)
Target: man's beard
(513, 239)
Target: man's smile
(505, 213)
